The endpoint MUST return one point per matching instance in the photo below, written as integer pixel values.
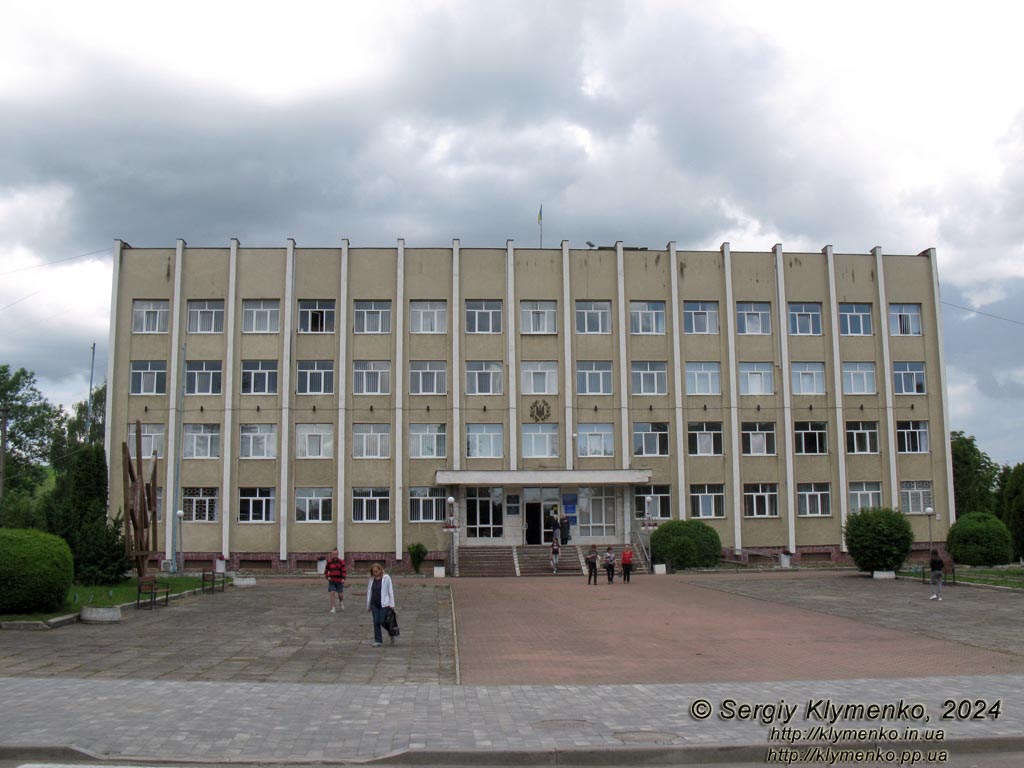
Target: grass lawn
(102, 597)
(1012, 576)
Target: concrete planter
(244, 581)
(438, 571)
(220, 566)
(321, 567)
(92, 614)
(660, 569)
(883, 574)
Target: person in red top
(336, 573)
(627, 563)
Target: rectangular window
(202, 377)
(915, 496)
(912, 437)
(593, 377)
(371, 441)
(908, 378)
(753, 318)
(704, 378)
(707, 500)
(256, 505)
(538, 317)
(148, 377)
(700, 317)
(540, 441)
(371, 505)
(483, 316)
(647, 317)
(484, 518)
(314, 505)
(261, 316)
(813, 500)
(757, 379)
(371, 377)
(593, 317)
(595, 440)
(650, 438)
(201, 441)
(314, 441)
(428, 441)
(316, 315)
(427, 505)
(761, 500)
(650, 378)
(149, 316)
(152, 440)
(804, 318)
(905, 319)
(704, 438)
(865, 496)
(199, 504)
(373, 317)
(428, 316)
(808, 378)
(539, 378)
(758, 438)
(859, 379)
(259, 377)
(811, 437)
(485, 441)
(596, 511)
(315, 377)
(854, 319)
(862, 437)
(258, 441)
(206, 316)
(483, 378)
(660, 505)
(428, 377)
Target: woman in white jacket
(380, 596)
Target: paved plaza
(551, 670)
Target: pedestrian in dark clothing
(555, 528)
(554, 555)
(609, 564)
(591, 560)
(936, 565)
(335, 573)
(564, 530)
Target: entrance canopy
(543, 477)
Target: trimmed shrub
(417, 554)
(101, 557)
(35, 571)
(702, 550)
(878, 539)
(979, 538)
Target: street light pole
(453, 529)
(179, 553)
(929, 511)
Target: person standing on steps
(554, 554)
(563, 527)
(627, 563)
(609, 564)
(556, 527)
(336, 573)
(936, 566)
(591, 560)
(380, 595)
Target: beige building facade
(302, 399)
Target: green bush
(101, 557)
(878, 539)
(35, 571)
(703, 550)
(979, 538)
(417, 553)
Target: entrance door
(534, 523)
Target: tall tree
(30, 421)
(1013, 508)
(974, 476)
(71, 430)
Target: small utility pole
(88, 399)
(3, 449)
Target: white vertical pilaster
(837, 390)
(342, 315)
(284, 457)
(937, 303)
(885, 376)
(455, 368)
(677, 382)
(513, 369)
(173, 388)
(227, 430)
(108, 408)
(398, 390)
(624, 433)
(567, 324)
(787, 398)
(728, 317)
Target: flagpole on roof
(540, 223)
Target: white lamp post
(180, 567)
(931, 512)
(452, 526)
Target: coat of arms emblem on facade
(540, 410)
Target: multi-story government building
(301, 399)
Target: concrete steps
(486, 561)
(639, 567)
(535, 560)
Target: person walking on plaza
(936, 566)
(591, 560)
(627, 563)
(336, 573)
(554, 554)
(563, 527)
(609, 564)
(380, 595)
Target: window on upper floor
(314, 505)
(539, 377)
(316, 315)
(704, 378)
(704, 438)
(201, 441)
(202, 377)
(647, 317)
(538, 317)
(859, 379)
(757, 379)
(371, 441)
(149, 315)
(152, 440)
(540, 441)
(865, 495)
(810, 437)
(595, 440)
(808, 378)
(912, 436)
(758, 438)
(908, 378)
(593, 377)
(371, 505)
(813, 499)
(428, 441)
(428, 316)
(905, 319)
(753, 318)
(483, 316)
(707, 500)
(862, 437)
(371, 377)
(649, 378)
(761, 500)
(700, 317)
(315, 377)
(314, 441)
(258, 441)
(148, 377)
(484, 377)
(804, 318)
(650, 438)
(593, 317)
(261, 316)
(259, 377)
(428, 377)
(854, 319)
(206, 316)
(373, 317)
(485, 441)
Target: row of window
(487, 508)
(535, 317)
(537, 377)
(430, 441)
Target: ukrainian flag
(540, 215)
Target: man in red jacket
(336, 573)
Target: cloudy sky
(860, 124)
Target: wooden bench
(213, 580)
(948, 574)
(152, 589)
